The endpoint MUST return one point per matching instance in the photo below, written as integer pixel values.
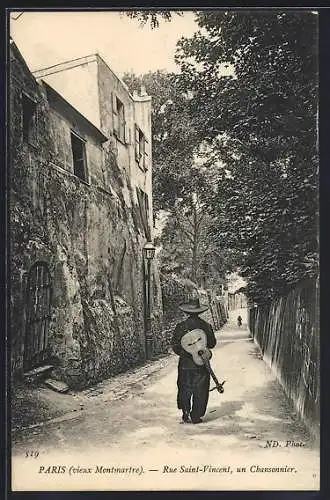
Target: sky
(48, 38)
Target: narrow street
(132, 421)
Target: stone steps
(41, 374)
(37, 373)
(56, 385)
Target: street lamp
(148, 253)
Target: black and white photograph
(163, 249)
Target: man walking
(193, 380)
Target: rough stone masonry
(77, 228)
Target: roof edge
(59, 97)
(63, 66)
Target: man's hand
(201, 353)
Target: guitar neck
(211, 372)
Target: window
(29, 114)
(79, 157)
(118, 113)
(144, 211)
(141, 154)
(121, 120)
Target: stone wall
(90, 239)
(287, 332)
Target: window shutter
(146, 200)
(114, 114)
(144, 210)
(142, 150)
(146, 207)
(121, 121)
(127, 134)
(137, 144)
(146, 154)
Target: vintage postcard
(164, 271)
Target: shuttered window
(137, 143)
(118, 115)
(146, 154)
(114, 114)
(143, 200)
(29, 120)
(79, 157)
(121, 120)
(141, 149)
(127, 134)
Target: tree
(152, 16)
(260, 122)
(189, 248)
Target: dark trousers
(193, 391)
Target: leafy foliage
(178, 182)
(152, 16)
(260, 122)
(189, 247)
(175, 290)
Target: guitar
(195, 342)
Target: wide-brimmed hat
(193, 306)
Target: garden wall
(287, 332)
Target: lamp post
(148, 253)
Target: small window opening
(118, 110)
(121, 120)
(79, 157)
(141, 154)
(141, 147)
(143, 201)
(29, 112)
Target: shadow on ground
(31, 405)
(263, 413)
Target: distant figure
(239, 321)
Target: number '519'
(32, 453)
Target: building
(99, 95)
(80, 214)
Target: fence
(287, 333)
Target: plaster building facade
(80, 205)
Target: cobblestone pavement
(128, 433)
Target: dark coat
(186, 361)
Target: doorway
(38, 302)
